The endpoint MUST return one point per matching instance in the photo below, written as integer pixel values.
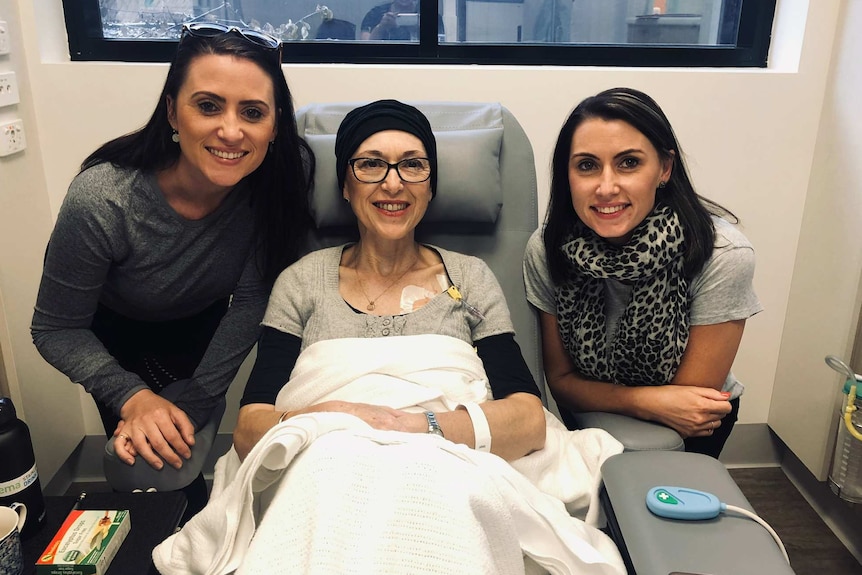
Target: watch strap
(433, 426)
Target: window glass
(627, 32)
(705, 22)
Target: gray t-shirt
(118, 242)
(306, 302)
(721, 292)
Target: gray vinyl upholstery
(652, 545)
(634, 434)
(486, 194)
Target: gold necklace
(371, 306)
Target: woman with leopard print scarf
(643, 287)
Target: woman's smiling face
(390, 209)
(225, 115)
(614, 171)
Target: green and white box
(85, 544)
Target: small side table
(154, 517)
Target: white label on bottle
(19, 484)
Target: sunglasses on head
(212, 29)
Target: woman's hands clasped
(154, 428)
(377, 416)
(691, 411)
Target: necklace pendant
(370, 306)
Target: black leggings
(160, 353)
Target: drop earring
(175, 137)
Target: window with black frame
(705, 33)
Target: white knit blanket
(325, 493)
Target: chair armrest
(729, 543)
(634, 434)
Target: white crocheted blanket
(325, 493)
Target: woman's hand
(154, 428)
(377, 416)
(690, 410)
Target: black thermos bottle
(19, 481)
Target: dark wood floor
(811, 545)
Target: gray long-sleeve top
(118, 242)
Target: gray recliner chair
(486, 205)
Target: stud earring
(662, 184)
(175, 137)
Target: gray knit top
(118, 242)
(306, 303)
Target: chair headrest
(469, 142)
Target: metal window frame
(84, 29)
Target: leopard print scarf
(653, 329)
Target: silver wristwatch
(433, 426)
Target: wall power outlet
(8, 89)
(12, 138)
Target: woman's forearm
(580, 394)
(517, 425)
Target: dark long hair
(645, 115)
(280, 186)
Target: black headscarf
(361, 123)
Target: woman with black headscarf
(387, 392)
(388, 285)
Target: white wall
(825, 294)
(25, 222)
(749, 136)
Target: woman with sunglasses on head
(165, 249)
(643, 286)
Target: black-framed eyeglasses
(375, 170)
(213, 29)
